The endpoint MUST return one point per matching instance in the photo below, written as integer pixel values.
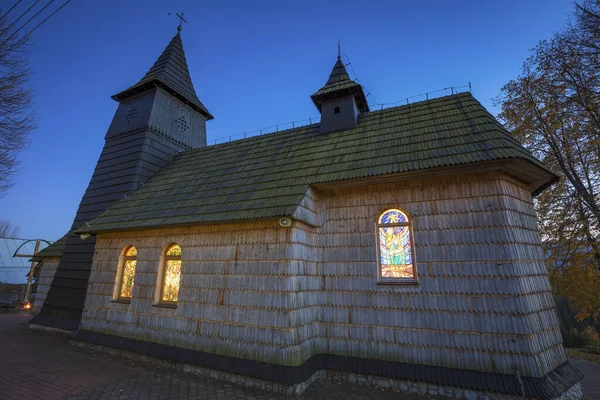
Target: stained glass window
(127, 273)
(396, 255)
(171, 275)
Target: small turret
(340, 101)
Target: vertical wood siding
(134, 150)
(43, 282)
(259, 291)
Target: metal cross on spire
(339, 41)
(181, 19)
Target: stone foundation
(248, 382)
(394, 385)
(428, 389)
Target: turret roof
(339, 85)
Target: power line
(453, 89)
(266, 130)
(28, 21)
(358, 80)
(37, 26)
(20, 16)
(12, 8)
(294, 124)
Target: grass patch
(580, 354)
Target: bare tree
(7, 230)
(17, 117)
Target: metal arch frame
(23, 244)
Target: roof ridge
(362, 115)
(267, 176)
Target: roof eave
(356, 91)
(139, 88)
(537, 178)
(94, 232)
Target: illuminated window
(126, 273)
(395, 248)
(171, 272)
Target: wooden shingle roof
(268, 176)
(171, 73)
(339, 85)
(54, 250)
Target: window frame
(163, 274)
(123, 258)
(396, 281)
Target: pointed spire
(339, 85)
(181, 19)
(171, 73)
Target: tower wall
(146, 132)
(345, 117)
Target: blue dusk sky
(254, 64)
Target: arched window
(395, 248)
(126, 273)
(171, 272)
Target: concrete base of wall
(39, 327)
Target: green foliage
(587, 338)
(592, 349)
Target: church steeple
(157, 118)
(170, 72)
(340, 101)
(340, 85)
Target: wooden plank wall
(260, 291)
(133, 152)
(43, 282)
(483, 301)
(236, 294)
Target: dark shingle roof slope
(339, 85)
(54, 250)
(171, 73)
(268, 176)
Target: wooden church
(396, 248)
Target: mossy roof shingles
(268, 176)
(54, 250)
(339, 85)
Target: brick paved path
(43, 365)
(591, 378)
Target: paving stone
(38, 365)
